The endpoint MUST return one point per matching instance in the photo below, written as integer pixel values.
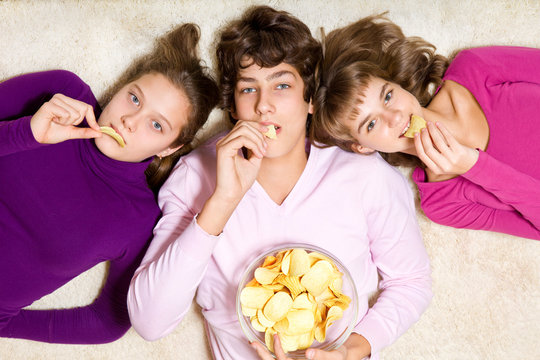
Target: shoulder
(193, 175)
(357, 168)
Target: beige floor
(487, 286)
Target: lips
(118, 132)
(406, 128)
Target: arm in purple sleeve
(22, 96)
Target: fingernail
(310, 354)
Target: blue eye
(247, 90)
(371, 124)
(283, 86)
(156, 125)
(134, 99)
(387, 97)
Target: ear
(359, 149)
(168, 151)
(233, 113)
(310, 107)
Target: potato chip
(247, 311)
(316, 280)
(289, 342)
(299, 262)
(302, 301)
(417, 124)
(269, 338)
(278, 306)
(271, 132)
(300, 321)
(112, 133)
(257, 325)
(265, 276)
(255, 297)
(292, 283)
(263, 320)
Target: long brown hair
(267, 37)
(371, 47)
(176, 57)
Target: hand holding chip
(235, 173)
(56, 121)
(442, 153)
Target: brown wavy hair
(175, 55)
(371, 47)
(268, 37)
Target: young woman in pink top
(475, 158)
(241, 193)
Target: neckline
(302, 180)
(108, 168)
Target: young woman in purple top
(72, 197)
(477, 155)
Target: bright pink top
(502, 190)
(356, 207)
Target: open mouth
(405, 129)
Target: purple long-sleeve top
(63, 209)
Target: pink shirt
(357, 207)
(502, 191)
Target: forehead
(255, 72)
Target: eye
(247, 90)
(156, 125)
(387, 97)
(370, 125)
(134, 99)
(283, 86)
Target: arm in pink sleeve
(398, 252)
(163, 287)
(491, 196)
(506, 63)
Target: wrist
(215, 213)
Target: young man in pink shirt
(242, 193)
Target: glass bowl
(336, 334)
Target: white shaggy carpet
(486, 285)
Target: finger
(421, 153)
(231, 146)
(261, 351)
(74, 117)
(438, 139)
(83, 133)
(316, 354)
(450, 139)
(80, 110)
(254, 128)
(278, 350)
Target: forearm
(215, 213)
(66, 326)
(162, 289)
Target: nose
(264, 103)
(130, 122)
(392, 118)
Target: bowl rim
(247, 330)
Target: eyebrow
(381, 96)
(159, 115)
(270, 77)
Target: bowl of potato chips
(302, 293)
